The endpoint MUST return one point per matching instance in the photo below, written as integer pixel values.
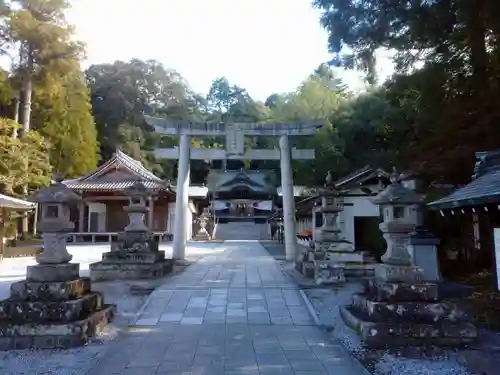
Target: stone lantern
(329, 237)
(137, 209)
(135, 254)
(399, 307)
(55, 223)
(54, 307)
(400, 211)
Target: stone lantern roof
(55, 193)
(397, 194)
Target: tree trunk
(26, 121)
(473, 12)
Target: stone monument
(54, 307)
(398, 307)
(135, 254)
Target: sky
(265, 46)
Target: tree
(39, 34)
(17, 154)
(314, 99)
(64, 118)
(446, 56)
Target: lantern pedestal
(52, 308)
(403, 314)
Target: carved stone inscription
(235, 140)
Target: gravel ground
(380, 362)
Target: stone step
(54, 335)
(136, 257)
(396, 291)
(50, 311)
(428, 312)
(399, 334)
(52, 291)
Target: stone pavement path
(234, 313)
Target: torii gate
(235, 149)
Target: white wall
(361, 206)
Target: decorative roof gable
(107, 177)
(242, 179)
(361, 176)
(120, 159)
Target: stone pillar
(288, 198)
(182, 202)
(81, 216)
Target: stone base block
(390, 291)
(53, 291)
(136, 257)
(101, 271)
(395, 273)
(359, 270)
(54, 336)
(53, 272)
(50, 311)
(423, 312)
(340, 246)
(343, 257)
(328, 273)
(394, 334)
(205, 237)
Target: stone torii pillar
(235, 149)
(288, 198)
(182, 198)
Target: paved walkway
(233, 313)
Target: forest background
(430, 117)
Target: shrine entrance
(235, 149)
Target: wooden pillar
(81, 216)
(151, 214)
(3, 222)
(35, 219)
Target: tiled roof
(94, 182)
(113, 185)
(218, 180)
(482, 190)
(120, 157)
(15, 203)
(360, 176)
(195, 191)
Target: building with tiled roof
(104, 200)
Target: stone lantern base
(134, 256)
(394, 312)
(52, 308)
